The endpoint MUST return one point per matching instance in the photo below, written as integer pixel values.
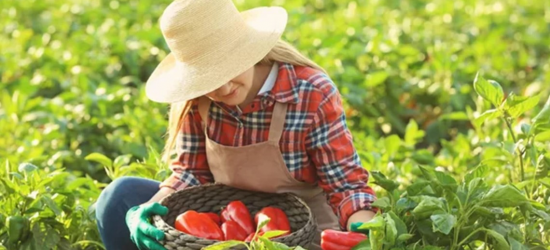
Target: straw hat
(211, 42)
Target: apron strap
(277, 122)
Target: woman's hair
(282, 52)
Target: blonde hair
(282, 52)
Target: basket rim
(311, 217)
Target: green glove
(142, 232)
(355, 228)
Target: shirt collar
(285, 88)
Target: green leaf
(404, 204)
(392, 143)
(525, 128)
(373, 79)
(427, 173)
(363, 245)
(455, 116)
(487, 115)
(8, 185)
(543, 117)
(475, 185)
(122, 160)
(545, 182)
(263, 222)
(501, 243)
(46, 236)
(423, 157)
(223, 245)
(404, 238)
(27, 167)
(97, 157)
(33, 210)
(506, 229)
(65, 244)
(376, 223)
(399, 224)
(516, 245)
(281, 246)
(274, 233)
(427, 207)
(543, 167)
(412, 133)
(446, 180)
(540, 213)
(419, 187)
(517, 105)
(266, 243)
(381, 180)
(376, 238)
(443, 222)
(483, 212)
(489, 90)
(383, 203)
(503, 196)
(51, 204)
(390, 231)
(478, 172)
(543, 136)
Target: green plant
(44, 209)
(73, 102)
(440, 212)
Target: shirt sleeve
(190, 167)
(330, 146)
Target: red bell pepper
(278, 220)
(327, 245)
(236, 211)
(215, 217)
(199, 225)
(249, 237)
(224, 215)
(339, 240)
(232, 231)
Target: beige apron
(260, 167)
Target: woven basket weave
(212, 197)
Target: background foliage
(72, 75)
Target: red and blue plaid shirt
(316, 143)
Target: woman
(247, 110)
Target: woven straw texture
(212, 197)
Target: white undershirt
(271, 78)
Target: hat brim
(174, 81)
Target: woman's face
(236, 90)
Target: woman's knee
(113, 194)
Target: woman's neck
(261, 72)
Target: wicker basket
(212, 197)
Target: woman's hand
(142, 233)
(359, 217)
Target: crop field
(448, 103)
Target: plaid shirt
(316, 144)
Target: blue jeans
(113, 203)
